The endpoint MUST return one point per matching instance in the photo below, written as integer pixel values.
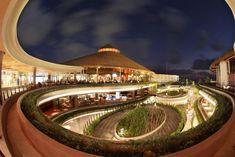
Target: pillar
(120, 74)
(49, 77)
(133, 94)
(96, 95)
(117, 95)
(97, 74)
(1, 60)
(75, 77)
(34, 75)
(55, 103)
(75, 101)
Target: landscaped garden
(159, 146)
(140, 121)
(173, 93)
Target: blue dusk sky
(159, 34)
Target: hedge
(161, 146)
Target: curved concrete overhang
(231, 53)
(9, 16)
(227, 56)
(88, 90)
(231, 4)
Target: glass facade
(11, 78)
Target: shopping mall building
(224, 67)
(106, 72)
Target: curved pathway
(21, 146)
(170, 125)
(105, 128)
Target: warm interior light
(108, 50)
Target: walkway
(228, 148)
(3, 147)
(23, 148)
(171, 124)
(20, 145)
(77, 124)
(105, 128)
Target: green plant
(160, 146)
(197, 111)
(134, 122)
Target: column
(117, 95)
(120, 74)
(55, 103)
(97, 74)
(133, 94)
(34, 75)
(76, 104)
(1, 60)
(75, 77)
(49, 77)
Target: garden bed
(140, 121)
(161, 146)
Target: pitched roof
(107, 59)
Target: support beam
(34, 75)
(75, 77)
(120, 75)
(49, 77)
(1, 60)
(97, 74)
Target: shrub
(161, 146)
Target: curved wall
(174, 100)
(44, 144)
(212, 145)
(88, 90)
(48, 146)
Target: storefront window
(11, 78)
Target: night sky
(160, 34)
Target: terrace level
(24, 139)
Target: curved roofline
(12, 46)
(96, 60)
(231, 4)
(230, 53)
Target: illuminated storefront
(11, 78)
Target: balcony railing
(9, 91)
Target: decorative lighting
(207, 97)
(108, 50)
(234, 47)
(114, 75)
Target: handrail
(5, 110)
(7, 92)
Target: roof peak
(108, 48)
